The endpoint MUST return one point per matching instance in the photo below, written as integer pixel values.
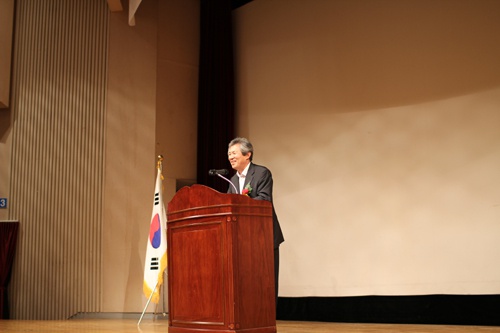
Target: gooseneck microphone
(213, 172)
(219, 173)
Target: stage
(149, 325)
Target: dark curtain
(215, 91)
(8, 240)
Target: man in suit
(257, 182)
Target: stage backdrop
(380, 121)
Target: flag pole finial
(159, 161)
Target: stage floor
(150, 326)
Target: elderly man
(256, 181)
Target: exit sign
(3, 202)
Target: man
(257, 182)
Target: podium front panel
(197, 273)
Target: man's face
(237, 159)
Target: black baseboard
(481, 310)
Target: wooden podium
(220, 263)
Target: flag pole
(147, 304)
(159, 167)
(165, 302)
(162, 290)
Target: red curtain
(8, 240)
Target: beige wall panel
(6, 33)
(153, 81)
(177, 100)
(179, 35)
(56, 176)
(130, 166)
(177, 118)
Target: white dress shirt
(242, 177)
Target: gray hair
(245, 146)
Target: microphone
(214, 172)
(220, 173)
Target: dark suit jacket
(261, 181)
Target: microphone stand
(227, 180)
